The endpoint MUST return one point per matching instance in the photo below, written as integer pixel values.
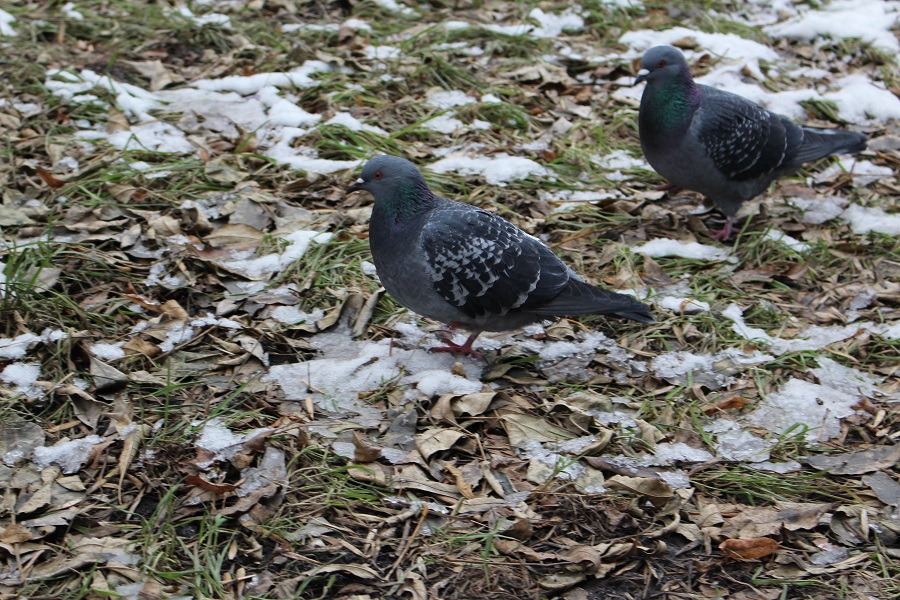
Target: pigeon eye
(661, 64)
(378, 175)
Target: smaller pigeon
(467, 267)
(718, 143)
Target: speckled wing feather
(744, 140)
(484, 265)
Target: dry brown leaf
(215, 488)
(434, 440)
(15, 534)
(235, 237)
(655, 489)
(857, 463)
(523, 428)
(363, 450)
(48, 178)
(464, 488)
(749, 549)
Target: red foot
(724, 233)
(459, 350)
(668, 187)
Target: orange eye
(661, 64)
(378, 175)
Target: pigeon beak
(357, 185)
(641, 76)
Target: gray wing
(484, 265)
(744, 140)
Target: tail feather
(580, 298)
(819, 143)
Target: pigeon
(467, 267)
(718, 143)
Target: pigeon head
(397, 185)
(662, 62)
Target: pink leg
(464, 350)
(668, 187)
(725, 232)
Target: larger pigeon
(467, 267)
(718, 143)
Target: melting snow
(448, 99)
(864, 220)
(714, 371)
(868, 20)
(666, 247)
(23, 376)
(6, 21)
(812, 338)
(351, 367)
(107, 351)
(217, 438)
(262, 266)
(776, 235)
(498, 169)
(818, 406)
(820, 209)
(69, 455)
(18, 346)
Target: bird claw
(464, 349)
(668, 187)
(724, 233)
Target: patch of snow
(552, 25)
(354, 124)
(290, 315)
(868, 20)
(859, 100)
(820, 209)
(695, 250)
(218, 439)
(668, 453)
(726, 45)
(440, 381)
(68, 10)
(349, 368)
(498, 169)
(208, 19)
(864, 172)
(818, 406)
(566, 200)
(741, 445)
(382, 52)
(262, 266)
(794, 244)
(23, 376)
(394, 6)
(444, 99)
(864, 220)
(69, 455)
(688, 306)
(107, 351)
(17, 347)
(444, 123)
(812, 338)
(6, 21)
(713, 370)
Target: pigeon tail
(580, 298)
(819, 143)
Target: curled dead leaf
(215, 488)
(749, 549)
(364, 452)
